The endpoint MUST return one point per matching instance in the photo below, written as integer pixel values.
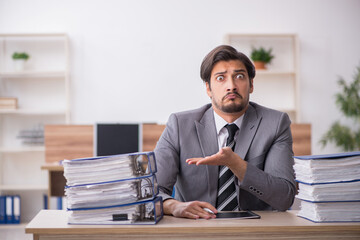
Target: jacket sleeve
(167, 158)
(275, 183)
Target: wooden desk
(52, 224)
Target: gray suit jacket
(264, 141)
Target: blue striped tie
(227, 196)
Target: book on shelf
(8, 103)
(116, 189)
(329, 186)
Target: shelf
(6, 35)
(288, 110)
(282, 75)
(13, 226)
(22, 149)
(23, 187)
(29, 74)
(42, 89)
(32, 112)
(274, 73)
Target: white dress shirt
(222, 133)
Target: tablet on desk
(237, 214)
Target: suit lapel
(206, 132)
(247, 132)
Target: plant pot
(19, 65)
(259, 65)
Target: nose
(231, 85)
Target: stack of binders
(329, 187)
(117, 189)
(9, 209)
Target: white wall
(138, 61)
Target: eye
(239, 76)
(220, 78)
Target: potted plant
(261, 57)
(19, 60)
(346, 137)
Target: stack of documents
(329, 187)
(118, 189)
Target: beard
(232, 106)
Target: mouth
(232, 96)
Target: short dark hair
(224, 53)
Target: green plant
(22, 55)
(261, 55)
(348, 101)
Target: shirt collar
(220, 122)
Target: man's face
(229, 87)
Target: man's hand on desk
(193, 210)
(225, 157)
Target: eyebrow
(236, 71)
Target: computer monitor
(117, 138)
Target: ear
(251, 86)
(208, 90)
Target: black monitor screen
(114, 139)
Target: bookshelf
(42, 92)
(278, 86)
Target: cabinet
(42, 92)
(276, 87)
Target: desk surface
(52, 167)
(271, 224)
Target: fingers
(219, 158)
(198, 209)
(194, 210)
(209, 160)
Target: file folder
(16, 209)
(324, 192)
(111, 193)
(9, 209)
(327, 168)
(330, 211)
(2, 209)
(329, 187)
(143, 212)
(109, 168)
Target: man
(193, 154)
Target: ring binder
(329, 187)
(117, 189)
(109, 168)
(111, 193)
(144, 212)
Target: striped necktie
(227, 196)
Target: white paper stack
(329, 187)
(118, 189)
(111, 193)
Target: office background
(138, 61)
